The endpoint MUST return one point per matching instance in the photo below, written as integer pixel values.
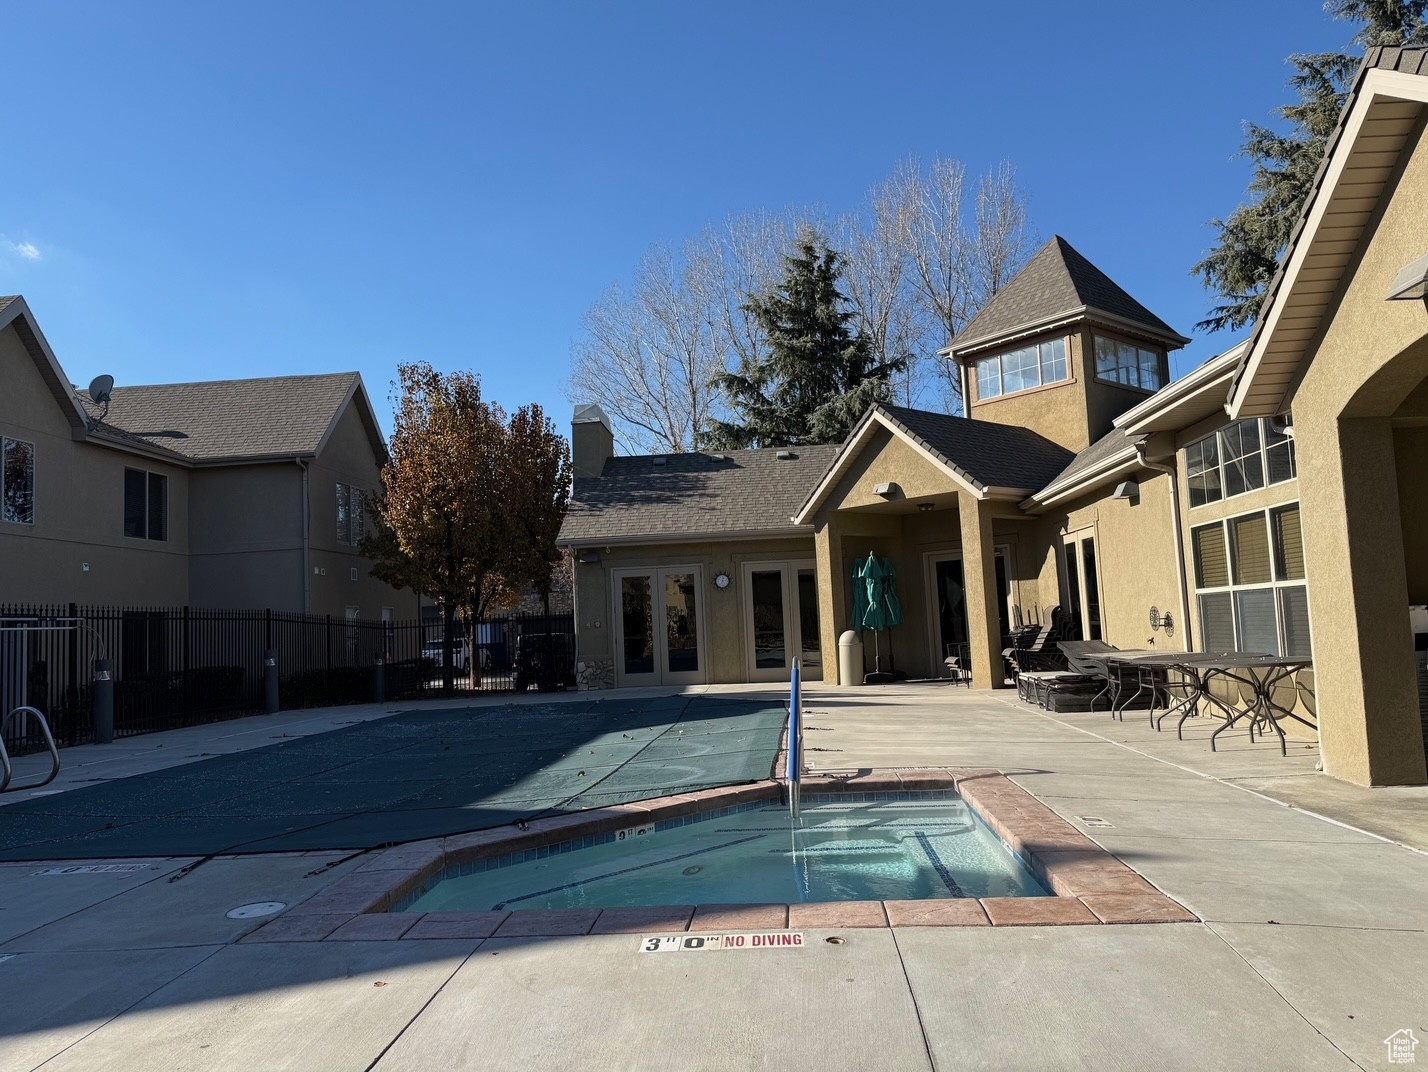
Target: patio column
(979, 574)
(832, 594)
(1364, 669)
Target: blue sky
(191, 191)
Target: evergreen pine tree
(818, 377)
(1252, 238)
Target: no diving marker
(706, 943)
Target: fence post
(71, 692)
(379, 680)
(270, 680)
(186, 695)
(103, 701)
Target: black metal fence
(183, 666)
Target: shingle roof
(1102, 450)
(233, 419)
(697, 494)
(6, 299)
(1058, 281)
(988, 455)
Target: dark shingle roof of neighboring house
(738, 493)
(282, 416)
(988, 455)
(6, 299)
(1057, 283)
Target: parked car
(431, 652)
(531, 665)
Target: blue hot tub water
(860, 848)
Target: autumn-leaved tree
(470, 502)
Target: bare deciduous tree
(650, 357)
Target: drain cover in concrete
(257, 910)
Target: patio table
(1253, 671)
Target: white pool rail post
(795, 739)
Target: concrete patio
(1310, 953)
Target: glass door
(658, 635)
(780, 618)
(951, 633)
(1081, 584)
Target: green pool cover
(409, 776)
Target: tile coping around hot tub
(1090, 885)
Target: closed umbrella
(884, 610)
(860, 596)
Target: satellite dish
(99, 389)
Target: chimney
(592, 442)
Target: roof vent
(659, 461)
(786, 455)
(718, 457)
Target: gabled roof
(1108, 458)
(1059, 286)
(989, 460)
(238, 420)
(1383, 109)
(739, 494)
(15, 312)
(205, 423)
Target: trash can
(850, 659)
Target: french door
(780, 619)
(1081, 583)
(659, 626)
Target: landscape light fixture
(1411, 283)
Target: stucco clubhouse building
(1273, 500)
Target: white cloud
(28, 250)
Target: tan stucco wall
(1135, 558)
(1373, 354)
(79, 509)
(1056, 411)
(724, 617)
(1075, 412)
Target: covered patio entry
(938, 497)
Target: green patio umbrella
(883, 610)
(860, 597)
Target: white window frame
(1076, 539)
(1275, 584)
(660, 675)
(788, 570)
(148, 475)
(1041, 364)
(4, 441)
(1220, 464)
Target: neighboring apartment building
(235, 494)
(1272, 500)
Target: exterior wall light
(927, 508)
(588, 558)
(1128, 490)
(887, 491)
(1411, 283)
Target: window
(17, 482)
(146, 505)
(1020, 370)
(349, 515)
(1249, 580)
(1243, 457)
(1128, 364)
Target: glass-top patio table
(1256, 678)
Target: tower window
(1022, 369)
